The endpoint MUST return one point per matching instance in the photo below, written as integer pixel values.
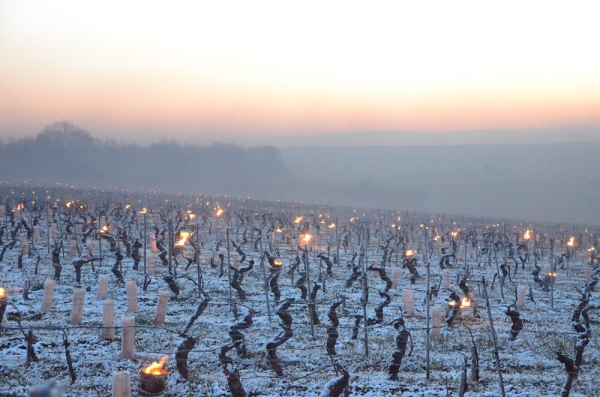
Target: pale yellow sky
(206, 69)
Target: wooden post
(493, 332)
(132, 303)
(103, 286)
(161, 307)
(121, 384)
(48, 295)
(127, 337)
(108, 319)
(78, 301)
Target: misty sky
(209, 70)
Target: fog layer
(543, 182)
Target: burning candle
(153, 379)
(3, 302)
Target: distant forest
(65, 153)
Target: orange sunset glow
(277, 68)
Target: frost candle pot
(132, 303)
(161, 307)
(103, 286)
(48, 295)
(77, 311)
(153, 379)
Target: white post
(153, 243)
(161, 307)
(103, 286)
(78, 301)
(521, 292)
(436, 320)
(132, 303)
(150, 266)
(121, 384)
(409, 305)
(108, 319)
(396, 277)
(48, 295)
(446, 279)
(127, 337)
(73, 251)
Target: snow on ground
(529, 364)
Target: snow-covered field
(529, 363)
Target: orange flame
(527, 235)
(277, 262)
(466, 302)
(331, 225)
(592, 249)
(306, 238)
(571, 242)
(156, 368)
(409, 253)
(184, 236)
(298, 219)
(2, 294)
(220, 212)
(104, 229)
